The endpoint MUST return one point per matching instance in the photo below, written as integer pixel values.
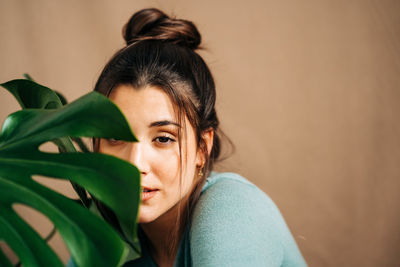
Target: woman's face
(151, 115)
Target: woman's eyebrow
(164, 123)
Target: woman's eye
(113, 141)
(164, 139)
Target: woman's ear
(208, 139)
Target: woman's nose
(138, 157)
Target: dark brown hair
(160, 52)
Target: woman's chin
(145, 219)
(146, 216)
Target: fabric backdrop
(308, 91)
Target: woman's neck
(161, 233)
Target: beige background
(307, 90)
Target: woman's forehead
(148, 102)
(148, 106)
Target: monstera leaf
(114, 182)
(33, 95)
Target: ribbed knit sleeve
(236, 224)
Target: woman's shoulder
(225, 190)
(230, 194)
(226, 177)
(237, 223)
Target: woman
(189, 215)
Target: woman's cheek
(166, 167)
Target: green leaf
(28, 77)
(4, 260)
(116, 183)
(30, 94)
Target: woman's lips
(148, 193)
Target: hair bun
(154, 24)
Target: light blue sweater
(234, 224)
